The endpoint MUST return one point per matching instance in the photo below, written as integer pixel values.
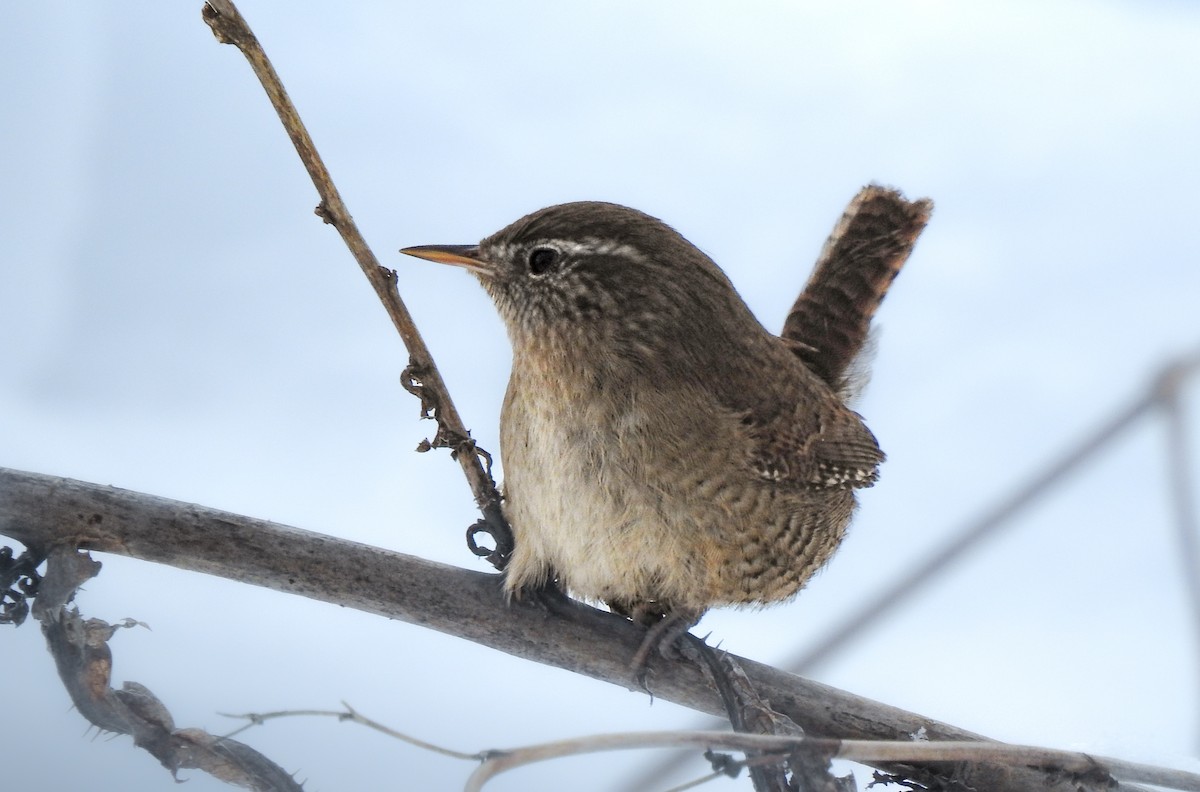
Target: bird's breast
(601, 487)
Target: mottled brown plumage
(662, 451)
(830, 320)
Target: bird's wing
(813, 443)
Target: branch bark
(45, 512)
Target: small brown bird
(662, 451)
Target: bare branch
(350, 714)
(1082, 767)
(421, 376)
(81, 652)
(45, 511)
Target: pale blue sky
(178, 322)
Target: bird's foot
(663, 636)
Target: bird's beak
(466, 256)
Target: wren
(662, 451)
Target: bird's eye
(542, 259)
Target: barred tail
(829, 322)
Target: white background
(174, 320)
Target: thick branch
(44, 511)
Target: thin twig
(349, 714)
(1098, 769)
(230, 27)
(770, 748)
